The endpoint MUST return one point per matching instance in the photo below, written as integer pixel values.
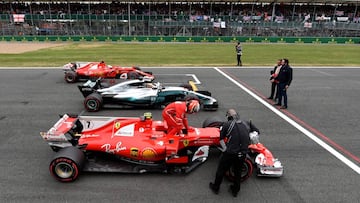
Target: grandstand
(287, 18)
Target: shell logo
(148, 153)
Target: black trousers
(282, 93)
(225, 163)
(239, 60)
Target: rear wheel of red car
(70, 76)
(93, 102)
(246, 172)
(67, 164)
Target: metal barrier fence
(164, 25)
(119, 39)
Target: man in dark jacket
(236, 132)
(284, 77)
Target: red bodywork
(100, 69)
(85, 142)
(259, 148)
(133, 138)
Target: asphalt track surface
(317, 138)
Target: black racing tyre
(213, 122)
(246, 171)
(132, 75)
(93, 102)
(67, 164)
(70, 76)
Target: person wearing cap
(174, 115)
(234, 144)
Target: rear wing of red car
(63, 132)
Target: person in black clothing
(238, 50)
(284, 77)
(274, 82)
(236, 132)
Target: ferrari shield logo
(185, 143)
(117, 125)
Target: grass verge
(185, 54)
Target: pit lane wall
(189, 39)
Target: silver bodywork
(140, 91)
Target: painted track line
(310, 135)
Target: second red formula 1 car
(129, 145)
(87, 70)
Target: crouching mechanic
(174, 115)
(236, 133)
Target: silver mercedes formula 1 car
(140, 93)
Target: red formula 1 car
(128, 145)
(87, 70)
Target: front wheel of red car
(246, 171)
(70, 77)
(93, 102)
(67, 164)
(132, 75)
(214, 122)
